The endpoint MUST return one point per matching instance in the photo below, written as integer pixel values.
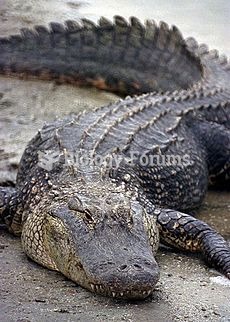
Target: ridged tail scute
(128, 58)
(216, 71)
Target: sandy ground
(188, 290)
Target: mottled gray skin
(100, 224)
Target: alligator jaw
(130, 294)
(135, 282)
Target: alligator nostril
(137, 266)
(123, 267)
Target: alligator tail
(128, 58)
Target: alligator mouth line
(97, 288)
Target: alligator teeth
(121, 294)
(92, 287)
(144, 292)
(149, 292)
(113, 294)
(97, 288)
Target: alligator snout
(133, 279)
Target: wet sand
(188, 289)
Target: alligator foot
(187, 233)
(10, 213)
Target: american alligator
(126, 175)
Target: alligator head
(99, 240)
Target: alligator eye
(75, 204)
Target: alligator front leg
(187, 233)
(10, 210)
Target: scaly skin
(109, 56)
(100, 224)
